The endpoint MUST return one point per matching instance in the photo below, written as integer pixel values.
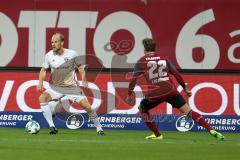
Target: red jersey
(157, 69)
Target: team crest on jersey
(66, 59)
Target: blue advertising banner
(165, 122)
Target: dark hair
(61, 36)
(149, 44)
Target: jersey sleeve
(175, 73)
(136, 72)
(46, 64)
(75, 54)
(78, 60)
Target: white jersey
(62, 68)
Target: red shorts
(174, 98)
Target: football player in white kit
(63, 82)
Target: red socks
(150, 123)
(152, 127)
(199, 119)
(194, 115)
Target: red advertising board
(195, 34)
(212, 94)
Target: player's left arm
(178, 77)
(82, 71)
(78, 63)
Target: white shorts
(76, 94)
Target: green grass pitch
(15, 144)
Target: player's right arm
(136, 73)
(42, 75)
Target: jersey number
(157, 69)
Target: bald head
(59, 36)
(57, 43)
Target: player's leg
(179, 102)
(92, 115)
(44, 99)
(55, 107)
(201, 121)
(147, 118)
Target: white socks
(47, 113)
(94, 118)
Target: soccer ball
(32, 127)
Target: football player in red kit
(156, 70)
